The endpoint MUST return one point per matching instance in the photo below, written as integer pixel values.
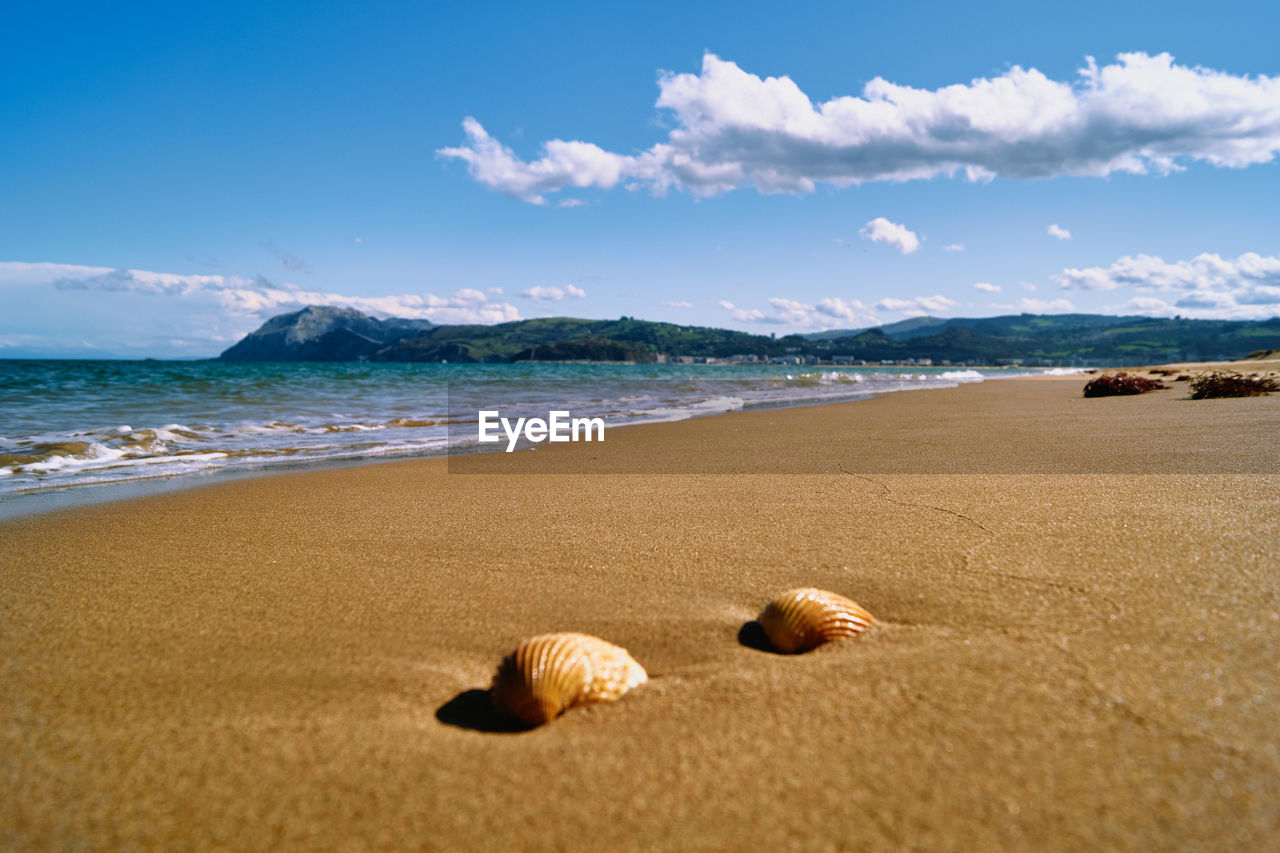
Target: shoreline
(37, 501)
(34, 501)
(1066, 656)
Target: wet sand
(1079, 605)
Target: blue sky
(170, 177)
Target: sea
(69, 426)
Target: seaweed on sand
(1120, 384)
(1228, 383)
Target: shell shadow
(473, 709)
(752, 635)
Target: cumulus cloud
(986, 287)
(1148, 305)
(241, 296)
(732, 129)
(1037, 306)
(553, 294)
(828, 313)
(1208, 285)
(1042, 306)
(467, 294)
(789, 312)
(678, 303)
(954, 247)
(881, 230)
(1059, 232)
(745, 315)
(832, 312)
(1205, 271)
(563, 164)
(918, 306)
(851, 311)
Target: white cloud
(1209, 285)
(789, 312)
(918, 306)
(1205, 271)
(1026, 285)
(553, 294)
(986, 287)
(565, 164)
(732, 129)
(1041, 306)
(1036, 306)
(240, 296)
(77, 277)
(745, 315)
(830, 312)
(954, 247)
(881, 230)
(1059, 232)
(1149, 306)
(678, 303)
(852, 311)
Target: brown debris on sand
(1121, 384)
(1228, 383)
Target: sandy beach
(1077, 646)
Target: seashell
(551, 673)
(800, 619)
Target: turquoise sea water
(67, 424)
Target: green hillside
(329, 335)
(635, 340)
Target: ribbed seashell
(551, 673)
(800, 619)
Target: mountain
(1054, 339)
(559, 338)
(333, 334)
(322, 333)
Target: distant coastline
(318, 333)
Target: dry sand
(1078, 645)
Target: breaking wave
(73, 423)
